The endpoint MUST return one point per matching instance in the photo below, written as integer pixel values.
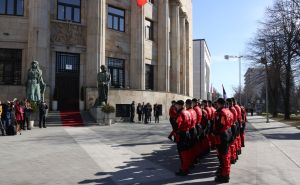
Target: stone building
(201, 69)
(148, 50)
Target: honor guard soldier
(239, 119)
(223, 134)
(233, 148)
(183, 138)
(173, 117)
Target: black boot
(181, 173)
(222, 179)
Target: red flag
(141, 3)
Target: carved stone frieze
(68, 33)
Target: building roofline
(195, 40)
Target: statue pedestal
(100, 117)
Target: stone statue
(103, 79)
(35, 86)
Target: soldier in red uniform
(212, 120)
(243, 125)
(183, 138)
(173, 117)
(239, 120)
(200, 133)
(193, 131)
(223, 134)
(205, 127)
(233, 152)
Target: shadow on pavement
(166, 164)
(283, 136)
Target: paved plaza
(127, 153)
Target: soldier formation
(199, 127)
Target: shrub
(108, 108)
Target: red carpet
(71, 119)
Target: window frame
(119, 17)
(15, 3)
(73, 7)
(149, 37)
(111, 68)
(15, 77)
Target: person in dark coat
(132, 112)
(139, 111)
(43, 107)
(156, 113)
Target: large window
(117, 71)
(149, 29)
(149, 85)
(69, 10)
(10, 66)
(116, 19)
(12, 7)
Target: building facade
(254, 84)
(146, 48)
(201, 69)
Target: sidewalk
(271, 155)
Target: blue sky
(227, 26)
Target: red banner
(141, 3)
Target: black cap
(180, 102)
(209, 102)
(229, 100)
(204, 101)
(232, 99)
(221, 101)
(195, 100)
(188, 102)
(173, 101)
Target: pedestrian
(27, 114)
(132, 112)
(2, 127)
(156, 113)
(19, 116)
(139, 111)
(223, 134)
(43, 107)
(146, 112)
(149, 111)
(143, 111)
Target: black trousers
(42, 120)
(140, 117)
(131, 117)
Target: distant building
(201, 71)
(254, 83)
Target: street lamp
(227, 57)
(266, 66)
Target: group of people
(144, 112)
(199, 127)
(15, 116)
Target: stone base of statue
(100, 117)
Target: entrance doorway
(67, 81)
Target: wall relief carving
(68, 33)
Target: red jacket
(183, 121)
(199, 113)
(234, 114)
(19, 112)
(173, 112)
(193, 117)
(224, 120)
(239, 113)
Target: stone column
(163, 46)
(182, 54)
(96, 26)
(189, 60)
(137, 61)
(175, 48)
(39, 35)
